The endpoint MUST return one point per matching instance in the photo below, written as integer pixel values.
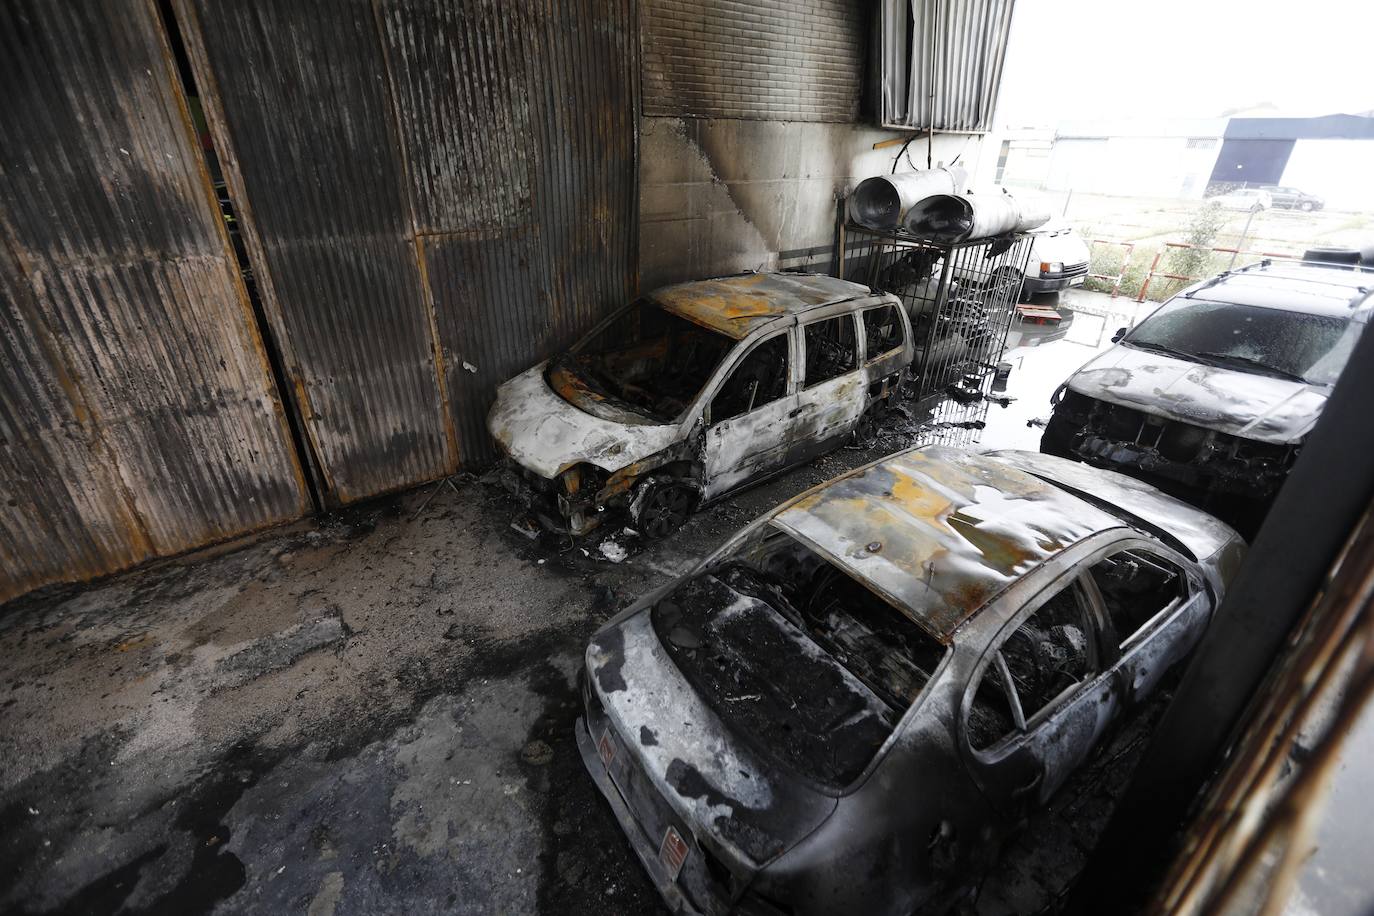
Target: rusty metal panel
(298, 92)
(479, 286)
(138, 409)
(941, 62)
(438, 194)
(464, 100)
(63, 514)
(519, 121)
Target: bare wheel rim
(665, 510)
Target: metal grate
(961, 298)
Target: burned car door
(1041, 697)
(834, 385)
(1157, 608)
(750, 417)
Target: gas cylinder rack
(961, 297)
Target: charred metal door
(437, 195)
(828, 409)
(1032, 763)
(742, 447)
(138, 416)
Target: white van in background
(1058, 259)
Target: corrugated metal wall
(953, 85)
(437, 195)
(137, 412)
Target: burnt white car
(696, 390)
(1212, 396)
(848, 706)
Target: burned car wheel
(869, 426)
(664, 509)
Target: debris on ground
(613, 550)
(526, 526)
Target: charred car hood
(727, 792)
(1244, 404)
(547, 435)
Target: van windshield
(1265, 341)
(648, 360)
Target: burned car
(848, 706)
(696, 390)
(1212, 395)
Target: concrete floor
(372, 712)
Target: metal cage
(961, 298)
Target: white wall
(1337, 170)
(1136, 166)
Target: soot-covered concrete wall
(751, 134)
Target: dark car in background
(851, 704)
(1212, 396)
(1289, 198)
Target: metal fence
(961, 298)
(1182, 280)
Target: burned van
(696, 390)
(1211, 397)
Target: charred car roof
(938, 531)
(737, 306)
(1310, 288)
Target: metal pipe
(962, 217)
(881, 202)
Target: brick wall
(775, 60)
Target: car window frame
(1105, 654)
(860, 361)
(1192, 578)
(860, 313)
(745, 349)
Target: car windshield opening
(797, 657)
(646, 359)
(1264, 341)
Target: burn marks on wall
(441, 192)
(138, 401)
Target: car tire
(1306, 206)
(663, 509)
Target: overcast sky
(1185, 58)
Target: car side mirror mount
(1120, 333)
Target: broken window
(882, 330)
(990, 716)
(831, 349)
(761, 377)
(1048, 654)
(1136, 586)
(647, 359)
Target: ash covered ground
(372, 713)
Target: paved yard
(373, 714)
